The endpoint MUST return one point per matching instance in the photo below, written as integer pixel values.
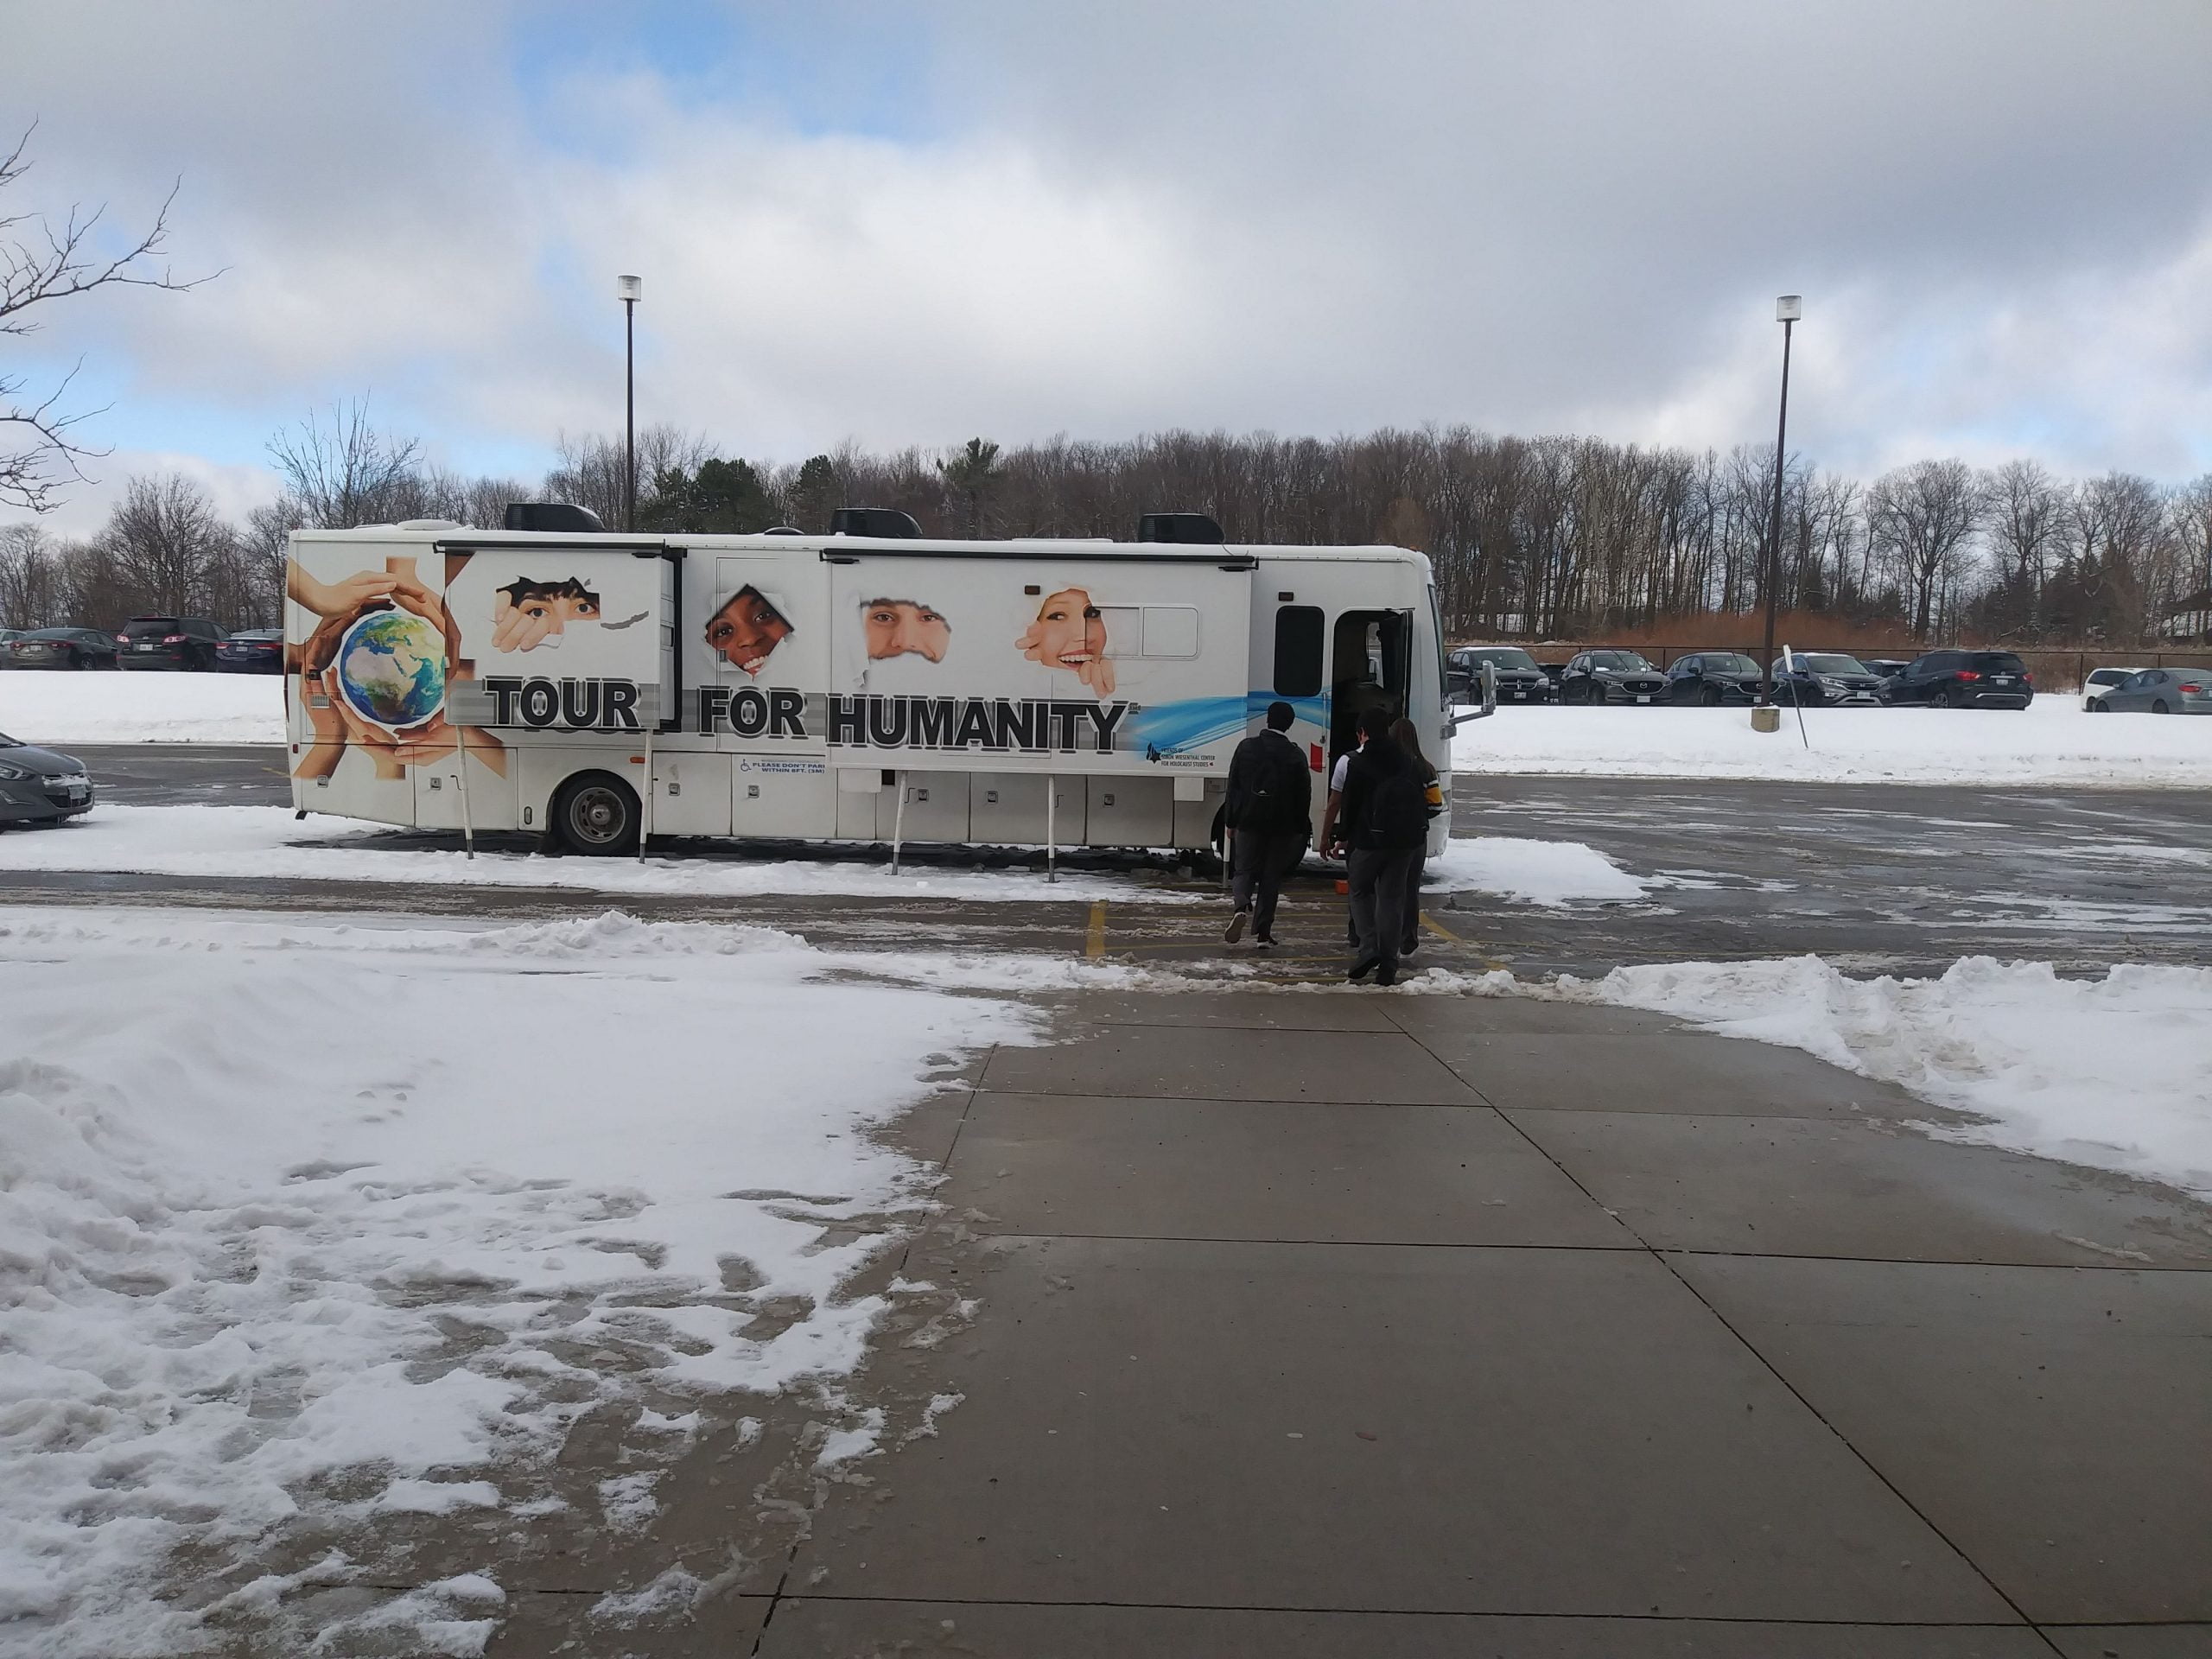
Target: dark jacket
(1375, 767)
(1270, 792)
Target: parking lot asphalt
(1876, 878)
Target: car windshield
(1729, 662)
(2108, 675)
(1617, 660)
(7, 742)
(154, 626)
(51, 633)
(1828, 662)
(1503, 658)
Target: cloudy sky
(910, 225)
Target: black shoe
(1234, 931)
(1388, 976)
(1408, 947)
(1263, 940)
(1362, 968)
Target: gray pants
(1259, 859)
(1380, 881)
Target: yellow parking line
(1436, 926)
(1094, 938)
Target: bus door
(764, 647)
(1371, 666)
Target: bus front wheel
(596, 812)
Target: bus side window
(1298, 655)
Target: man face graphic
(899, 628)
(745, 630)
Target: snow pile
(1536, 872)
(2114, 1073)
(280, 1199)
(268, 842)
(49, 708)
(2052, 741)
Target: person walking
(1385, 821)
(1408, 738)
(1269, 814)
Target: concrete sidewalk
(1372, 1325)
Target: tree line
(1566, 538)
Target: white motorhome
(603, 688)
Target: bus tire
(596, 813)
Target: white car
(2100, 680)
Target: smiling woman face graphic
(745, 630)
(1070, 633)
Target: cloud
(1103, 218)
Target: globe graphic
(391, 668)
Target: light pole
(1787, 310)
(630, 288)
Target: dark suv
(168, 642)
(1714, 677)
(1963, 679)
(1520, 679)
(1612, 677)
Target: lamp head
(630, 287)
(1791, 308)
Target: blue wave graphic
(1195, 722)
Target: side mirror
(1490, 698)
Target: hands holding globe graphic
(374, 672)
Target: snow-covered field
(140, 708)
(267, 841)
(2051, 742)
(2114, 1073)
(255, 1172)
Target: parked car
(186, 642)
(1963, 679)
(2160, 692)
(1813, 677)
(1554, 672)
(1612, 677)
(39, 786)
(252, 650)
(61, 648)
(1714, 677)
(2100, 680)
(1885, 668)
(1521, 678)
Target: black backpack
(1282, 796)
(1397, 809)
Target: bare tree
(592, 472)
(1924, 517)
(165, 542)
(346, 473)
(2027, 526)
(39, 455)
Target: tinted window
(1299, 636)
(140, 627)
(1504, 656)
(1729, 662)
(51, 633)
(1999, 662)
(1828, 663)
(1625, 659)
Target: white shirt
(1344, 765)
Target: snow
(47, 707)
(1536, 872)
(2114, 1073)
(267, 841)
(255, 1171)
(2052, 741)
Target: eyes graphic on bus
(529, 613)
(746, 629)
(1070, 633)
(904, 627)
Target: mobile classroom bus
(601, 689)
